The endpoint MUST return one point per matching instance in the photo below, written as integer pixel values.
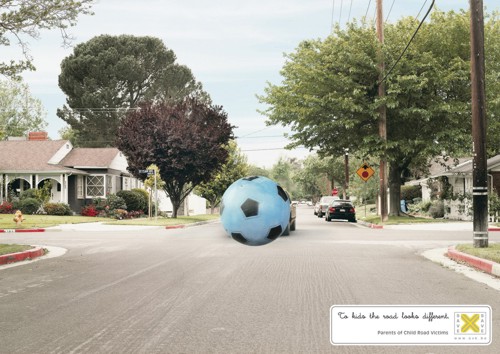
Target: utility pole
(382, 122)
(346, 195)
(480, 168)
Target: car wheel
(352, 220)
(287, 230)
(292, 226)
(328, 219)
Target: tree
(283, 172)
(20, 112)
(319, 175)
(186, 140)
(25, 18)
(235, 168)
(258, 171)
(107, 76)
(329, 98)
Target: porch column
(64, 188)
(6, 186)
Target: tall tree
(20, 112)
(108, 76)
(23, 19)
(319, 175)
(328, 94)
(235, 168)
(186, 140)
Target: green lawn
(162, 221)
(42, 221)
(492, 252)
(7, 249)
(38, 221)
(396, 220)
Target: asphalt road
(195, 290)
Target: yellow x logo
(470, 323)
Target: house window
(109, 184)
(79, 187)
(95, 186)
(126, 183)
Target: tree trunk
(394, 189)
(175, 207)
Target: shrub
(437, 209)
(115, 202)
(119, 214)
(411, 192)
(57, 209)
(7, 208)
(144, 197)
(134, 200)
(419, 208)
(135, 214)
(28, 194)
(89, 210)
(29, 205)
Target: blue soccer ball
(255, 210)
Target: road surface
(195, 290)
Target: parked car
(323, 204)
(341, 209)
(293, 217)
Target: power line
(367, 9)
(349, 17)
(272, 149)
(425, 2)
(390, 10)
(411, 39)
(341, 5)
(333, 12)
(258, 137)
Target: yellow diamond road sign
(365, 172)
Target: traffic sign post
(152, 172)
(365, 172)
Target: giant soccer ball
(255, 210)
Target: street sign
(335, 192)
(149, 172)
(365, 172)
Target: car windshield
(327, 200)
(342, 204)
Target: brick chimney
(38, 136)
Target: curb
(369, 225)
(170, 227)
(476, 262)
(182, 226)
(21, 256)
(22, 230)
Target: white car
(323, 205)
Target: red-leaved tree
(185, 140)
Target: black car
(341, 209)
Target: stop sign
(335, 191)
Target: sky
(233, 47)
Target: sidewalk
(484, 265)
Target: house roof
(19, 156)
(90, 157)
(466, 167)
